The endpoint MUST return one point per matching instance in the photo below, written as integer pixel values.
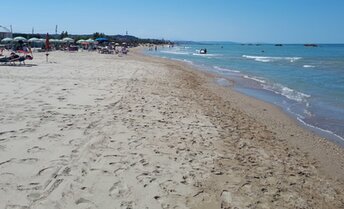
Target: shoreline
(88, 130)
(276, 119)
(319, 153)
(308, 113)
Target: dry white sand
(99, 131)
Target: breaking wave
(182, 60)
(287, 92)
(271, 59)
(225, 69)
(174, 52)
(259, 80)
(206, 55)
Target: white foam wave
(294, 113)
(182, 60)
(308, 66)
(223, 82)
(188, 61)
(259, 80)
(287, 92)
(206, 55)
(321, 129)
(174, 52)
(226, 70)
(271, 59)
(302, 118)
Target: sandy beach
(89, 130)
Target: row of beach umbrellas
(42, 40)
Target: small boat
(203, 51)
(310, 45)
(278, 44)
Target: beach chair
(4, 60)
(16, 58)
(124, 50)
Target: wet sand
(99, 131)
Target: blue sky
(275, 21)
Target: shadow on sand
(26, 65)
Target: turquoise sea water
(307, 82)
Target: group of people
(14, 57)
(112, 50)
(21, 54)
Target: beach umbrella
(19, 38)
(47, 42)
(102, 39)
(6, 40)
(68, 40)
(53, 40)
(80, 41)
(90, 40)
(47, 47)
(33, 40)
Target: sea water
(306, 82)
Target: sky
(259, 21)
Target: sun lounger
(124, 50)
(15, 58)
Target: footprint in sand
(35, 149)
(41, 171)
(168, 186)
(85, 203)
(145, 179)
(28, 160)
(119, 189)
(226, 199)
(127, 205)
(75, 142)
(16, 207)
(34, 196)
(143, 162)
(31, 186)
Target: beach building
(5, 32)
